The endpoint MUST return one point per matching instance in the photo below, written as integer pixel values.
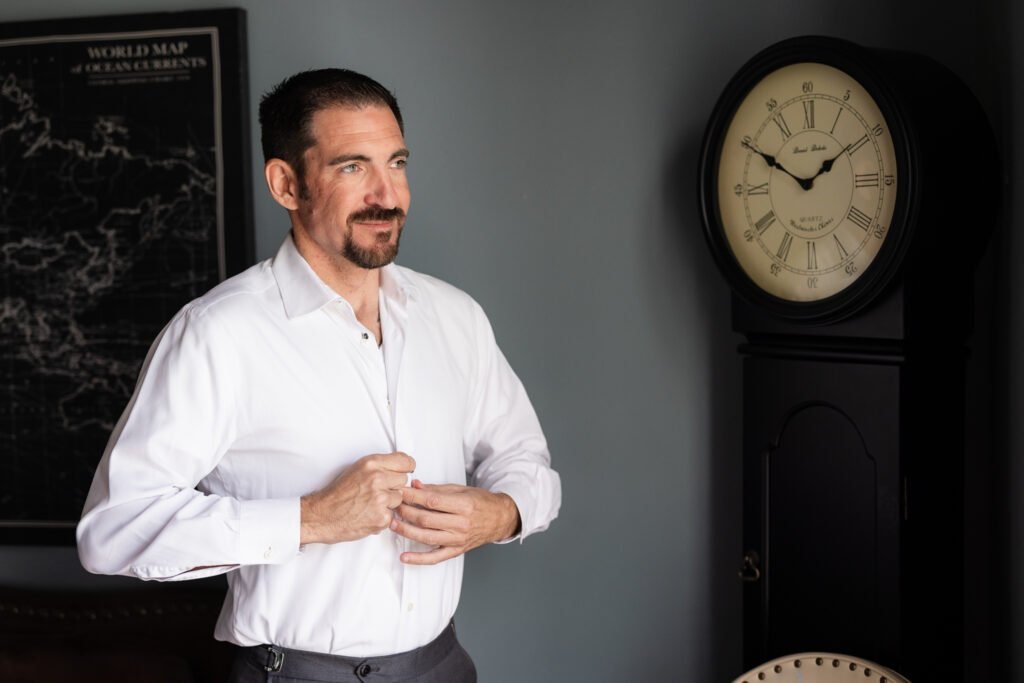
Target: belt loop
(275, 660)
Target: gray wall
(554, 148)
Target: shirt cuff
(519, 507)
(522, 497)
(536, 493)
(269, 530)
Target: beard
(384, 251)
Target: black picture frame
(125, 192)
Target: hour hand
(826, 165)
(805, 183)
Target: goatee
(384, 251)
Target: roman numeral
(783, 251)
(859, 218)
(757, 189)
(765, 221)
(781, 123)
(839, 247)
(867, 180)
(808, 113)
(857, 145)
(833, 130)
(812, 256)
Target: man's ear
(283, 183)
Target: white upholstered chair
(820, 667)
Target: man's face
(354, 196)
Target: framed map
(124, 193)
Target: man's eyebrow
(347, 158)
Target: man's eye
(399, 163)
(350, 168)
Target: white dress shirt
(264, 390)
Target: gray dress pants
(441, 661)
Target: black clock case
(854, 437)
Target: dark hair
(286, 112)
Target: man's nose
(382, 191)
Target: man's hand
(454, 518)
(359, 502)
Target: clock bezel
(866, 67)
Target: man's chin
(377, 256)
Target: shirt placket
(375, 373)
(395, 328)
(371, 360)
(373, 357)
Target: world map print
(110, 220)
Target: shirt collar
(302, 291)
(395, 284)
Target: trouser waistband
(291, 663)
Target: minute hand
(805, 183)
(826, 166)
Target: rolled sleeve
(507, 451)
(538, 497)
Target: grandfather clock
(846, 195)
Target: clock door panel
(822, 492)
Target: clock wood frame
(868, 68)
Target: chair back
(820, 667)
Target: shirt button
(268, 553)
(408, 608)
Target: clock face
(806, 183)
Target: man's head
(286, 112)
(335, 158)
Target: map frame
(41, 497)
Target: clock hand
(805, 183)
(826, 166)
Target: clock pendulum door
(852, 505)
(826, 492)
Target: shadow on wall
(689, 267)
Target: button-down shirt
(264, 390)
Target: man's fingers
(396, 462)
(429, 519)
(431, 556)
(421, 516)
(426, 536)
(377, 480)
(392, 480)
(440, 488)
(441, 498)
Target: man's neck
(358, 286)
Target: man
(308, 425)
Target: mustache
(377, 213)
